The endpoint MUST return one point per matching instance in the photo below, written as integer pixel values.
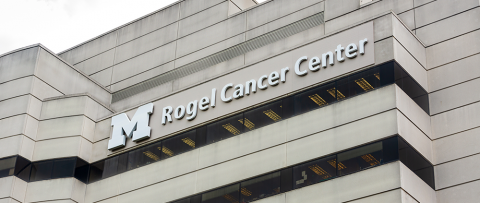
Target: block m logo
(137, 128)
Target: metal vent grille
(221, 56)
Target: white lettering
(167, 115)
(260, 82)
(338, 52)
(238, 91)
(328, 55)
(314, 64)
(192, 110)
(179, 112)
(251, 83)
(203, 105)
(283, 76)
(214, 96)
(224, 93)
(273, 78)
(361, 44)
(351, 51)
(297, 66)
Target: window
(22, 168)
(81, 170)
(227, 194)
(63, 168)
(261, 187)
(41, 171)
(262, 116)
(316, 98)
(7, 167)
(145, 155)
(416, 162)
(224, 129)
(314, 171)
(179, 144)
(359, 159)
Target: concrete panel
(60, 127)
(67, 80)
(100, 44)
(19, 189)
(208, 73)
(57, 148)
(413, 112)
(73, 56)
(31, 127)
(244, 4)
(14, 106)
(148, 24)
(104, 77)
(394, 196)
(211, 35)
(18, 64)
(421, 2)
(27, 146)
(280, 198)
(203, 19)
(97, 63)
(284, 44)
(17, 87)
(397, 6)
(340, 113)
(340, 138)
(143, 62)
(78, 191)
(99, 151)
(207, 51)
(190, 7)
(383, 27)
(9, 200)
(140, 98)
(102, 189)
(234, 170)
(335, 8)
(454, 73)
(43, 190)
(288, 19)
(247, 143)
(384, 51)
(102, 130)
(457, 172)
(14, 125)
(411, 66)
(6, 186)
(409, 41)
(142, 76)
(408, 18)
(232, 8)
(406, 198)
(146, 43)
(408, 131)
(457, 25)
(456, 120)
(149, 175)
(273, 10)
(415, 186)
(457, 146)
(453, 49)
(34, 107)
(63, 107)
(440, 9)
(467, 192)
(454, 96)
(42, 90)
(170, 190)
(110, 200)
(380, 179)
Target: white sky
(61, 24)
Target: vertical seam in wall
(113, 63)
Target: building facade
(232, 101)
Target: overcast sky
(61, 24)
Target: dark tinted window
(227, 194)
(144, 155)
(7, 166)
(315, 98)
(63, 168)
(260, 187)
(411, 88)
(416, 162)
(81, 170)
(96, 171)
(110, 167)
(41, 171)
(262, 116)
(22, 168)
(224, 129)
(314, 172)
(179, 144)
(359, 158)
